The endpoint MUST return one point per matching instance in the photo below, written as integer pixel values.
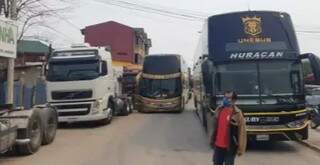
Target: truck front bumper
(78, 111)
(90, 117)
(7, 138)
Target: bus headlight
(297, 123)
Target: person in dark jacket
(229, 136)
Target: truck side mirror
(311, 68)
(104, 68)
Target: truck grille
(71, 110)
(71, 95)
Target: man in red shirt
(229, 136)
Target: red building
(128, 45)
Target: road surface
(152, 139)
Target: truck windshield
(274, 78)
(154, 88)
(71, 71)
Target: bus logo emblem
(252, 25)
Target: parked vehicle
(128, 83)
(163, 84)
(315, 117)
(258, 57)
(129, 79)
(27, 121)
(313, 102)
(82, 84)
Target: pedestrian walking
(229, 136)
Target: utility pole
(10, 69)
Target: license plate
(262, 137)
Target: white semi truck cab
(81, 84)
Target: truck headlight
(96, 105)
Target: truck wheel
(51, 125)
(110, 115)
(126, 110)
(131, 106)
(34, 133)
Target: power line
(166, 8)
(58, 15)
(59, 32)
(146, 9)
(162, 10)
(49, 27)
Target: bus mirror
(311, 69)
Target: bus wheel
(182, 106)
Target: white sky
(170, 35)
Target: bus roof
(251, 35)
(161, 64)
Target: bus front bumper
(159, 105)
(278, 134)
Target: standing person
(229, 136)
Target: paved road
(152, 139)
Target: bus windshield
(274, 78)
(279, 78)
(155, 88)
(239, 77)
(71, 71)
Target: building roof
(104, 23)
(33, 46)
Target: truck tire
(131, 107)
(110, 116)
(34, 133)
(51, 124)
(126, 109)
